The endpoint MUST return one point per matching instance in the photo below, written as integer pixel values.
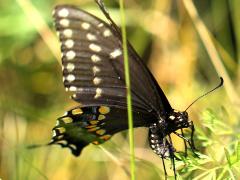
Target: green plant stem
(127, 79)
(17, 143)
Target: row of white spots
(64, 13)
(98, 91)
(95, 59)
(68, 32)
(70, 55)
(69, 43)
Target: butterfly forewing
(93, 68)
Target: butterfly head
(177, 120)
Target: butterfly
(93, 70)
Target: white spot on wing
(95, 70)
(95, 47)
(100, 25)
(73, 146)
(70, 77)
(57, 123)
(98, 93)
(115, 53)
(64, 22)
(69, 43)
(54, 133)
(63, 142)
(95, 58)
(73, 88)
(70, 67)
(85, 25)
(97, 80)
(63, 12)
(70, 55)
(68, 33)
(107, 33)
(91, 37)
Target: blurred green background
(185, 52)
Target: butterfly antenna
(218, 86)
(107, 15)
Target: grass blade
(128, 86)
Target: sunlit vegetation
(186, 44)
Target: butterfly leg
(192, 133)
(164, 168)
(185, 144)
(192, 142)
(171, 154)
(188, 141)
(184, 138)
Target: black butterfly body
(93, 69)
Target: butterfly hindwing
(94, 124)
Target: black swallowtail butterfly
(93, 69)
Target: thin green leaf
(228, 157)
(238, 151)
